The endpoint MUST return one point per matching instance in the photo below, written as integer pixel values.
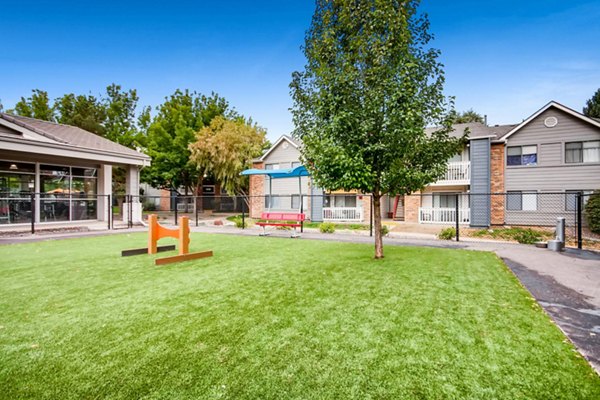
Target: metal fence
(483, 216)
(33, 211)
(524, 215)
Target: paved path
(567, 285)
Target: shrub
(447, 234)
(384, 230)
(592, 212)
(527, 236)
(327, 227)
(149, 206)
(239, 223)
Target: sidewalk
(566, 285)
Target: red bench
(293, 220)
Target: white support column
(132, 187)
(104, 189)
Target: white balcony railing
(458, 173)
(342, 213)
(444, 215)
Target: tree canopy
(592, 106)
(467, 116)
(225, 148)
(370, 86)
(112, 116)
(172, 131)
(84, 111)
(36, 106)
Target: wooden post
(184, 235)
(152, 234)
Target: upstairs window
(295, 164)
(271, 166)
(582, 152)
(521, 155)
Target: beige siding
(551, 173)
(283, 155)
(568, 129)
(550, 154)
(287, 186)
(557, 178)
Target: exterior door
(399, 216)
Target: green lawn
(275, 318)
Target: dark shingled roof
(70, 135)
(477, 129)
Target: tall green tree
(121, 125)
(592, 106)
(467, 116)
(36, 106)
(370, 86)
(87, 112)
(172, 131)
(225, 148)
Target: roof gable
(558, 106)
(279, 141)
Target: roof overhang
(70, 151)
(556, 105)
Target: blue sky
(505, 59)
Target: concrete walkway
(566, 285)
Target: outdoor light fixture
(13, 167)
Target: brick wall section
(366, 206)
(497, 184)
(165, 200)
(257, 192)
(411, 208)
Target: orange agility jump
(156, 232)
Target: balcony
(347, 214)
(444, 215)
(457, 173)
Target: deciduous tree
(468, 116)
(121, 125)
(171, 132)
(87, 112)
(370, 86)
(225, 148)
(37, 106)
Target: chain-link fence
(588, 220)
(522, 216)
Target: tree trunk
(377, 225)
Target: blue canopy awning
(279, 173)
(297, 172)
